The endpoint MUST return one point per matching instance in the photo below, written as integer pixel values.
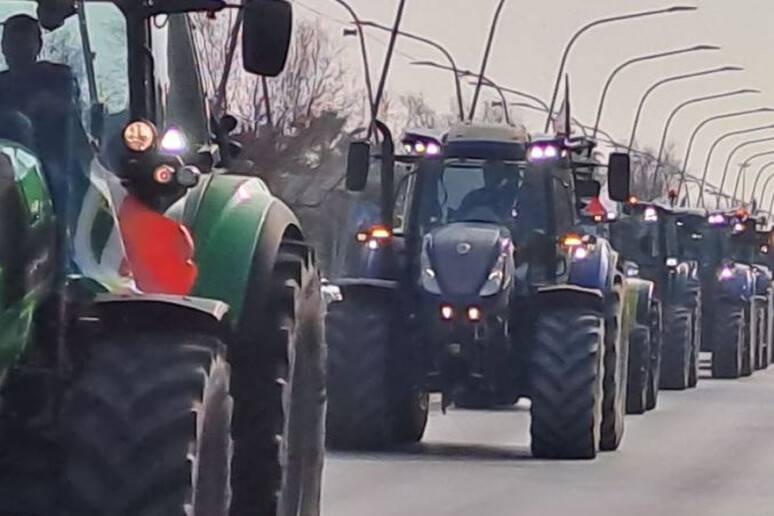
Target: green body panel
(38, 219)
(226, 229)
(638, 292)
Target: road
(704, 452)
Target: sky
(529, 43)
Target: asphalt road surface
(703, 452)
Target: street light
(591, 25)
(649, 57)
(363, 51)
(758, 178)
(485, 61)
(743, 166)
(701, 125)
(435, 45)
(667, 80)
(731, 156)
(717, 142)
(765, 187)
(680, 107)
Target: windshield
(472, 191)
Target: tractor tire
(566, 384)
(693, 365)
(750, 341)
(728, 343)
(28, 473)
(614, 384)
(372, 402)
(654, 372)
(677, 349)
(761, 352)
(279, 392)
(146, 428)
(639, 370)
(766, 355)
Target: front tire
(677, 349)
(616, 365)
(566, 385)
(728, 347)
(373, 403)
(639, 370)
(146, 428)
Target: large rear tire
(693, 365)
(372, 403)
(750, 339)
(727, 348)
(566, 384)
(654, 372)
(146, 428)
(614, 386)
(279, 392)
(639, 370)
(677, 348)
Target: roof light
(420, 147)
(716, 219)
(738, 228)
(433, 149)
(651, 215)
(543, 152)
(671, 262)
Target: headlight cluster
(497, 278)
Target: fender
(597, 270)
(762, 277)
(566, 296)
(355, 286)
(237, 226)
(153, 311)
(639, 298)
(677, 283)
(738, 287)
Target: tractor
(730, 292)
(649, 234)
(161, 334)
(477, 284)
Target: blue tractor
(478, 285)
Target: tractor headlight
(496, 280)
(726, 273)
(428, 277)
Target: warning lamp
(571, 240)
(164, 174)
(140, 136)
(374, 237)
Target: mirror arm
(387, 171)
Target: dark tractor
(642, 318)
(649, 235)
(723, 247)
(765, 265)
(477, 285)
(161, 339)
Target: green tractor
(161, 341)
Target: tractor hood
(464, 254)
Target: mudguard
(639, 297)
(153, 311)
(678, 281)
(762, 278)
(739, 287)
(566, 296)
(237, 227)
(597, 270)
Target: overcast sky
(532, 34)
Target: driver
(498, 193)
(43, 93)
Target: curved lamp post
(641, 59)
(704, 123)
(421, 39)
(597, 23)
(363, 51)
(765, 187)
(683, 105)
(742, 167)
(485, 60)
(667, 80)
(714, 145)
(731, 157)
(758, 176)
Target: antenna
(386, 69)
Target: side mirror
(228, 124)
(358, 164)
(268, 25)
(619, 177)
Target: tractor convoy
(164, 343)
